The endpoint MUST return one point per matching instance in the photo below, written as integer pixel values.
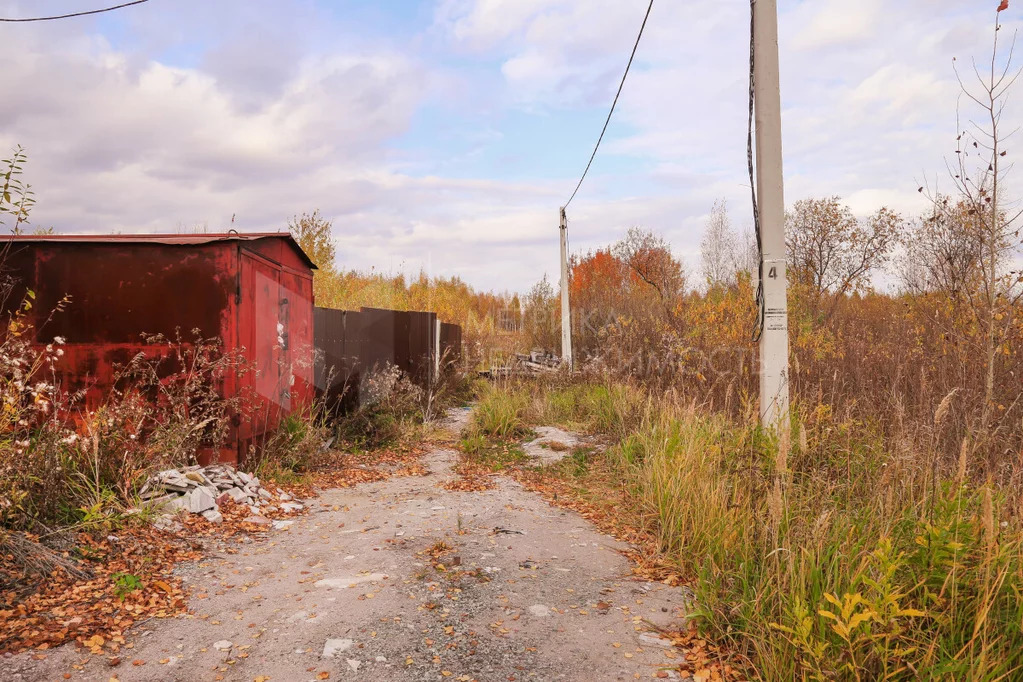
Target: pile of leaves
(702, 659)
(472, 477)
(104, 584)
(131, 580)
(347, 470)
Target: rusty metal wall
(329, 342)
(249, 291)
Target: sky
(443, 135)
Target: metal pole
(566, 315)
(436, 350)
(774, 341)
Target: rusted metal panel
(251, 291)
(273, 243)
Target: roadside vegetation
(878, 533)
(855, 560)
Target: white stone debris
(335, 646)
(213, 516)
(202, 490)
(652, 639)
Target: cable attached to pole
(73, 14)
(758, 327)
(615, 102)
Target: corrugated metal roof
(169, 239)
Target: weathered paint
(253, 291)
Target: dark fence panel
(352, 367)
(450, 343)
(331, 366)
(350, 346)
(422, 345)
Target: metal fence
(351, 346)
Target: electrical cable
(758, 328)
(606, 122)
(74, 14)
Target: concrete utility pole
(774, 339)
(566, 313)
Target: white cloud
(833, 23)
(193, 114)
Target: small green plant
(125, 584)
(473, 444)
(16, 196)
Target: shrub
(300, 443)
(63, 463)
(390, 412)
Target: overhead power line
(620, 86)
(73, 14)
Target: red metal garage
(253, 291)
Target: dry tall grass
(869, 563)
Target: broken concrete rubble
(200, 500)
(202, 490)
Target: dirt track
(361, 588)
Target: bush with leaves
(64, 461)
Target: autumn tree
(832, 251)
(313, 233)
(601, 288)
(979, 174)
(511, 316)
(648, 257)
(541, 322)
(719, 249)
(747, 253)
(944, 252)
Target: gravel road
(403, 580)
